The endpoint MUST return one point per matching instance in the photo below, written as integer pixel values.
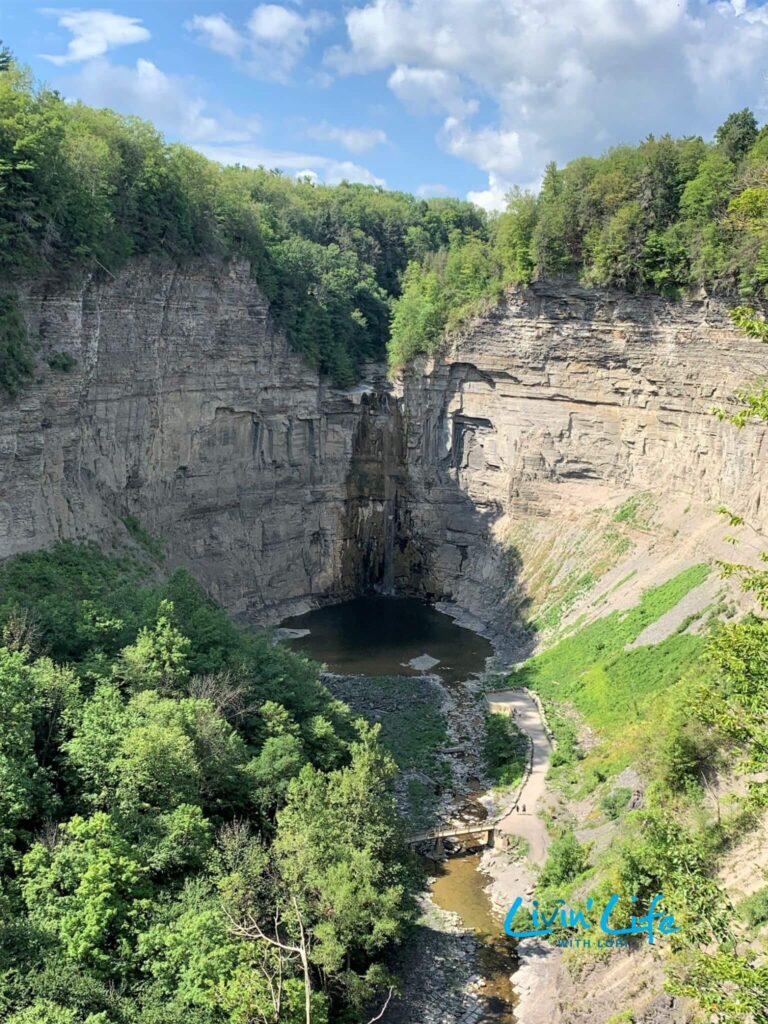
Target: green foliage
(505, 749)
(16, 362)
(732, 696)
(754, 908)
(413, 730)
(566, 860)
(88, 189)
(440, 293)
(177, 779)
(62, 361)
(666, 215)
(152, 546)
(615, 802)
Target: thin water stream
(385, 636)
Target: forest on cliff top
(352, 271)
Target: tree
(338, 846)
(89, 889)
(566, 859)
(737, 133)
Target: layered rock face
(188, 410)
(553, 402)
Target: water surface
(378, 636)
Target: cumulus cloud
(356, 140)
(94, 33)
(271, 43)
(495, 151)
(430, 89)
(170, 101)
(218, 33)
(320, 168)
(562, 79)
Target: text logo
(562, 916)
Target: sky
(436, 97)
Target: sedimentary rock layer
(555, 399)
(187, 409)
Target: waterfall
(390, 527)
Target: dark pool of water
(378, 636)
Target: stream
(377, 636)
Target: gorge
(555, 461)
(186, 409)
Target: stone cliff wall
(189, 411)
(559, 400)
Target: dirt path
(527, 825)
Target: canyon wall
(556, 404)
(187, 409)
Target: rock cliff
(559, 405)
(187, 409)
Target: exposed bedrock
(188, 410)
(554, 402)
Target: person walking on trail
(523, 808)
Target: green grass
(554, 614)
(630, 511)
(505, 750)
(613, 689)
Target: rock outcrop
(556, 402)
(187, 409)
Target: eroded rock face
(188, 410)
(556, 399)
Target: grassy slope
(614, 690)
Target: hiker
(523, 808)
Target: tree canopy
(191, 827)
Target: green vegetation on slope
(688, 712)
(176, 794)
(505, 750)
(664, 216)
(86, 190)
(609, 686)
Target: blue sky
(438, 97)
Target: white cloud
(493, 198)
(273, 41)
(356, 140)
(218, 33)
(312, 176)
(169, 101)
(94, 32)
(560, 78)
(497, 152)
(430, 89)
(326, 169)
